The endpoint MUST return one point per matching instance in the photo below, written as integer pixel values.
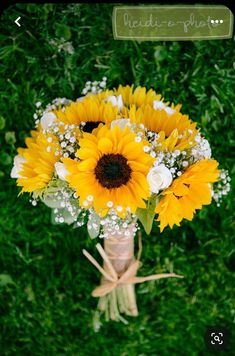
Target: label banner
(170, 23)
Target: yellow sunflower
(187, 193)
(112, 171)
(140, 96)
(91, 110)
(103, 95)
(176, 131)
(40, 156)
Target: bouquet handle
(116, 291)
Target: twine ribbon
(112, 280)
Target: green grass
(45, 281)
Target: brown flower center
(112, 171)
(91, 125)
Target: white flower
(116, 101)
(61, 171)
(159, 177)
(47, 119)
(169, 110)
(84, 91)
(122, 123)
(206, 148)
(18, 165)
(202, 150)
(160, 105)
(103, 84)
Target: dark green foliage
(45, 281)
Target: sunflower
(91, 111)
(187, 193)
(111, 172)
(175, 131)
(140, 96)
(103, 95)
(41, 154)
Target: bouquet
(115, 159)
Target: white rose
(61, 171)
(47, 119)
(160, 105)
(159, 177)
(18, 165)
(116, 101)
(122, 123)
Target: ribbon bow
(111, 277)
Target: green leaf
(51, 202)
(146, 216)
(50, 81)
(93, 225)
(160, 53)
(30, 293)
(2, 122)
(5, 279)
(5, 159)
(62, 31)
(65, 214)
(10, 137)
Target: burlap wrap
(120, 252)
(120, 267)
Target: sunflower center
(91, 125)
(112, 171)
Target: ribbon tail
(106, 259)
(130, 272)
(153, 277)
(103, 289)
(97, 265)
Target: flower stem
(121, 299)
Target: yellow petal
(105, 145)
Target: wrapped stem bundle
(122, 299)
(117, 289)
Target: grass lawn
(45, 282)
